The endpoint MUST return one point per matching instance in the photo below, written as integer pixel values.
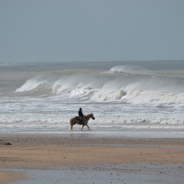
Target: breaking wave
(108, 87)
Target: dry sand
(33, 151)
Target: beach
(91, 92)
(54, 151)
(137, 135)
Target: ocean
(137, 98)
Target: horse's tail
(72, 122)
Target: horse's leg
(85, 125)
(82, 127)
(88, 127)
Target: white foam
(100, 87)
(151, 96)
(30, 85)
(106, 94)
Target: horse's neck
(87, 116)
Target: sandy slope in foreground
(40, 151)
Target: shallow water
(105, 173)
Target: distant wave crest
(132, 69)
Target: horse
(76, 120)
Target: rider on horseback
(81, 115)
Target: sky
(91, 30)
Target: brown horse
(76, 120)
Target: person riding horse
(76, 120)
(81, 115)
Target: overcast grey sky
(91, 30)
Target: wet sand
(80, 152)
(11, 176)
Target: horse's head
(92, 116)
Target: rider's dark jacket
(80, 113)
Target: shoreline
(86, 138)
(103, 134)
(48, 151)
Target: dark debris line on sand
(4, 143)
